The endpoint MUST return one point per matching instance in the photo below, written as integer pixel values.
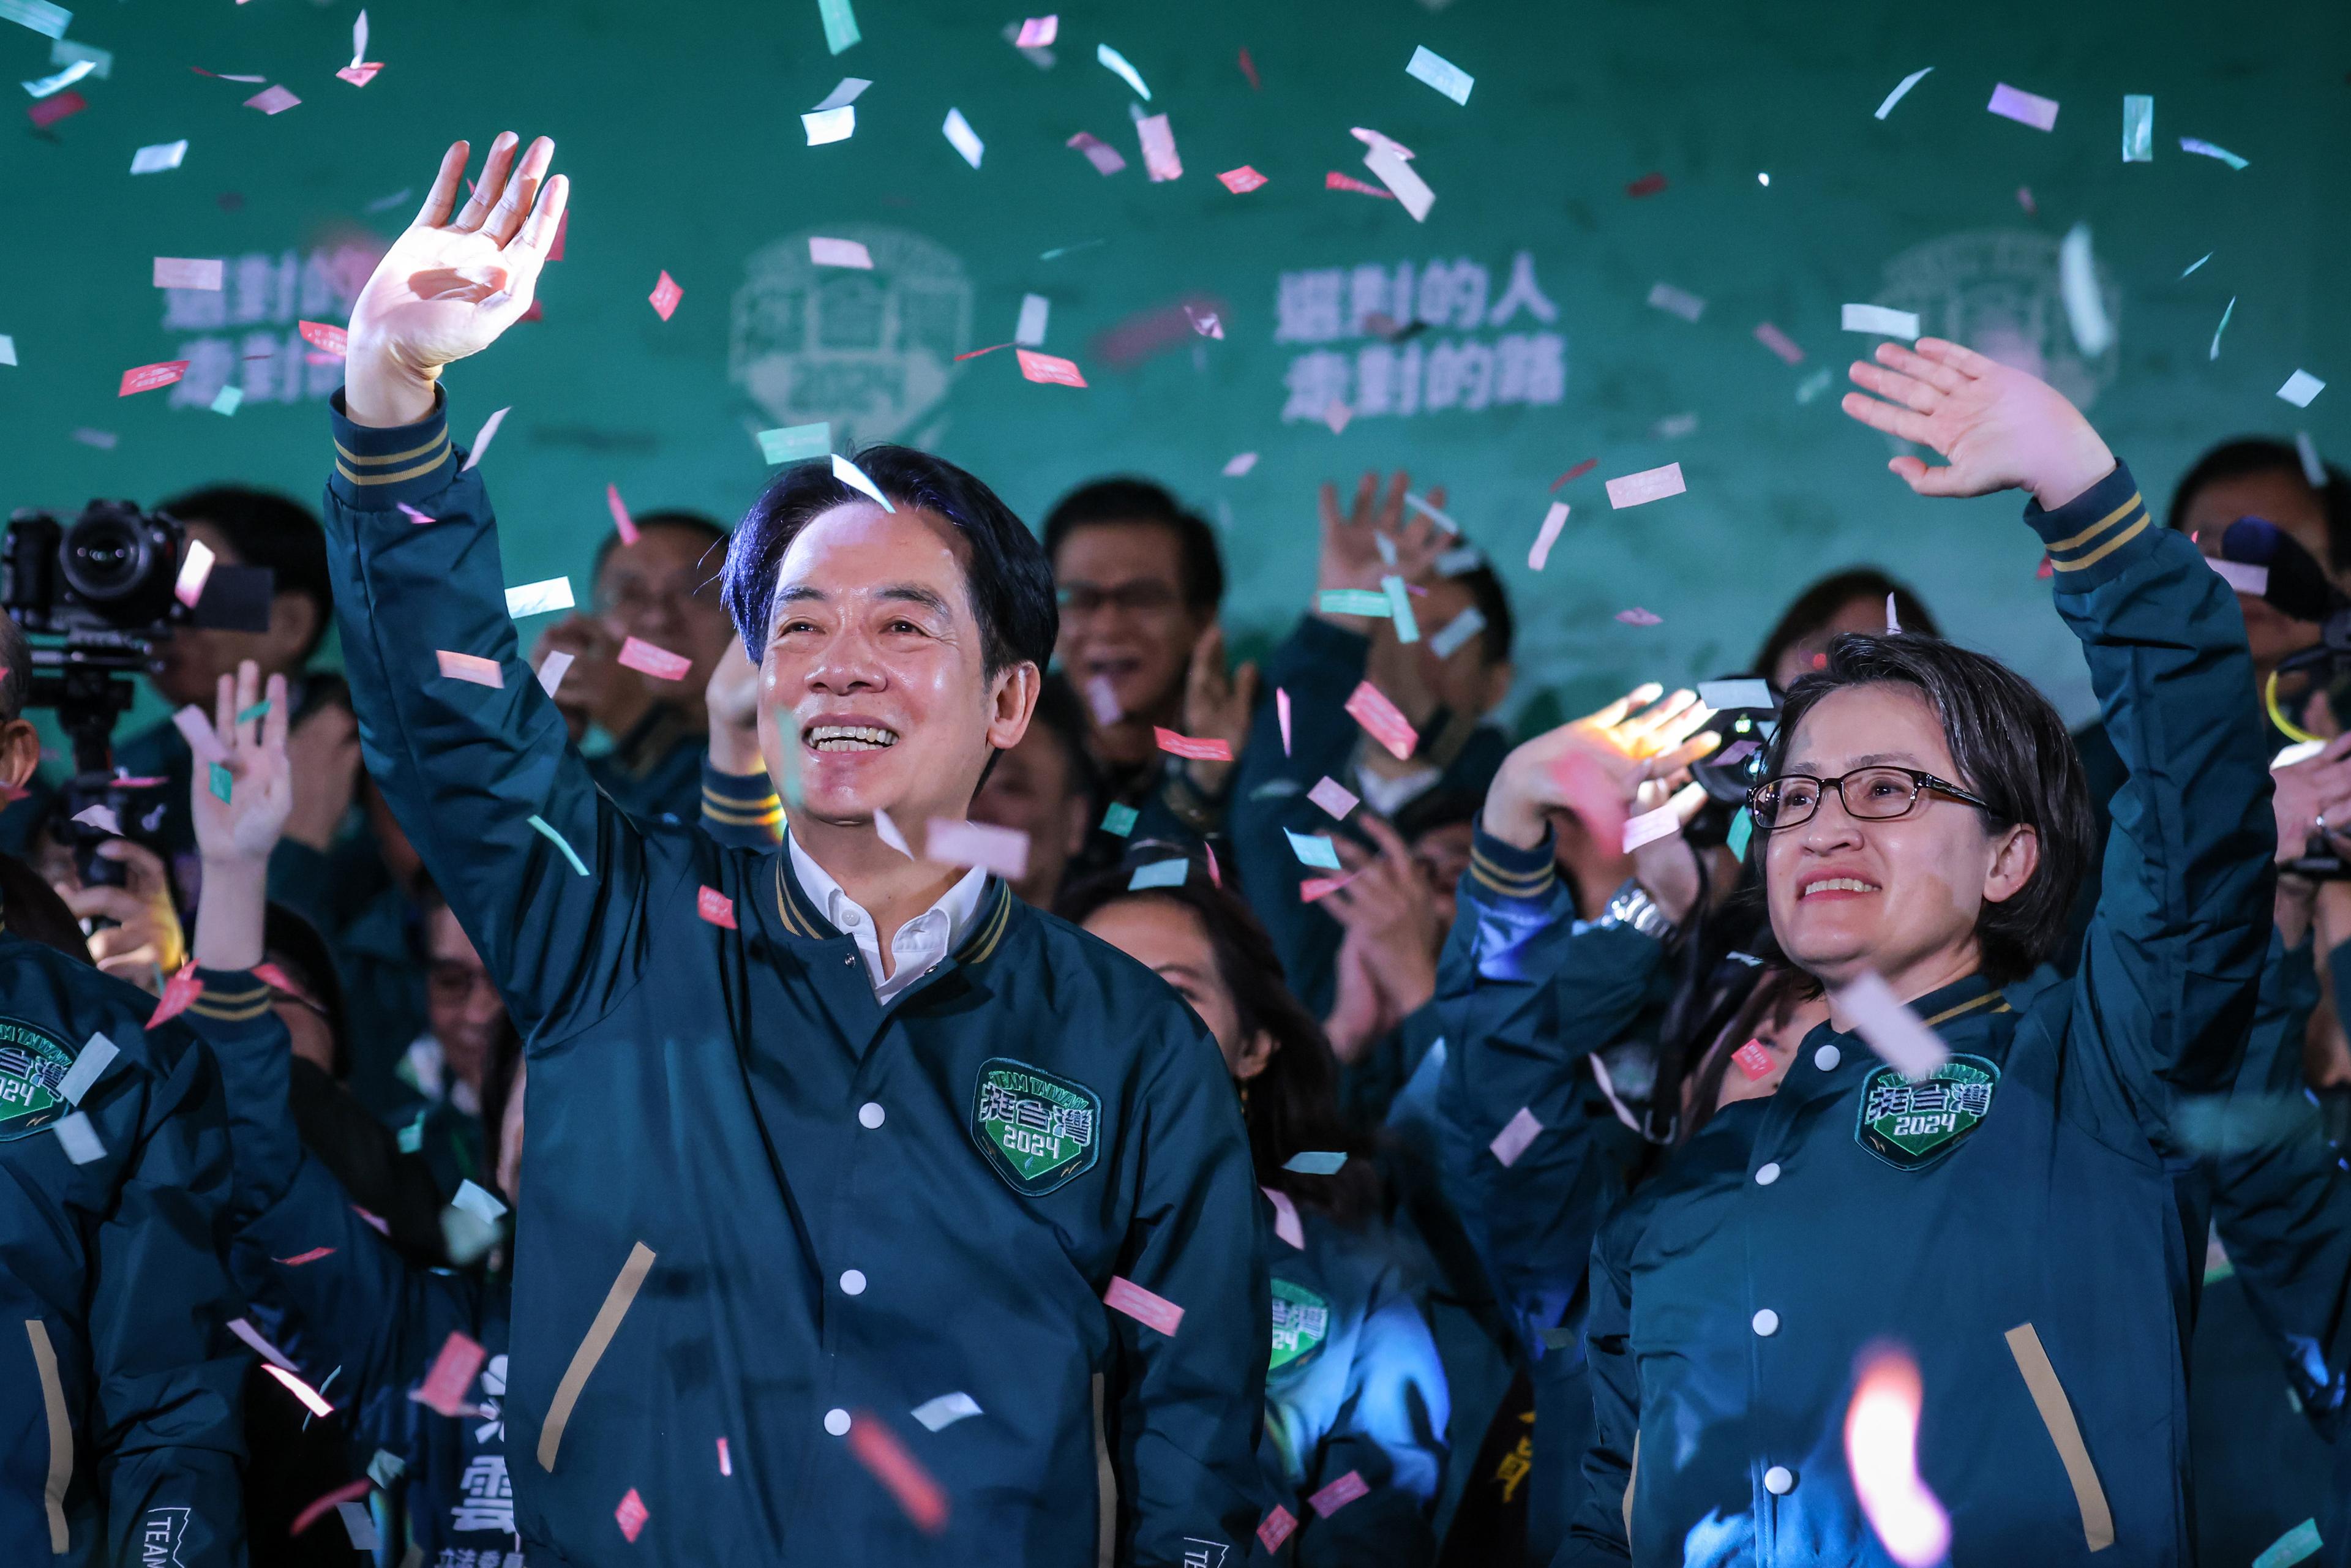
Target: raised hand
(732, 697)
(1596, 765)
(145, 943)
(456, 279)
(1385, 907)
(1999, 428)
(1217, 707)
(1351, 554)
(246, 825)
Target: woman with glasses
(1355, 1397)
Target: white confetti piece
(1723, 696)
(887, 832)
(825, 252)
(795, 443)
(1648, 485)
(2206, 149)
(162, 155)
(1431, 513)
(851, 475)
(1035, 310)
(1106, 55)
(179, 272)
(1409, 189)
(1553, 521)
(551, 670)
(1159, 159)
(1235, 466)
(1891, 1029)
(2230, 309)
(7, 350)
(61, 80)
(102, 817)
(80, 1139)
(1003, 851)
(826, 126)
(1516, 1134)
(96, 1055)
(1901, 88)
(359, 1524)
(1286, 1225)
(66, 52)
(2077, 284)
(272, 100)
(938, 1414)
(2245, 576)
(479, 1201)
(483, 436)
(1037, 32)
(2313, 470)
(539, 597)
(195, 571)
(844, 93)
(49, 21)
(1456, 632)
(963, 137)
(1675, 301)
(1441, 74)
(2300, 388)
(1879, 320)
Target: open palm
(1997, 427)
(461, 275)
(252, 749)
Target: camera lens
(108, 559)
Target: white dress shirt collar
(919, 945)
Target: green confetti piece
(795, 443)
(2138, 127)
(1407, 625)
(1060, 251)
(1159, 873)
(412, 1136)
(257, 710)
(1119, 820)
(557, 839)
(227, 400)
(221, 780)
(840, 23)
(1316, 1161)
(49, 21)
(1353, 602)
(2198, 262)
(1742, 827)
(2223, 326)
(2291, 1547)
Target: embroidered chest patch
(33, 1064)
(1039, 1131)
(1301, 1321)
(1912, 1123)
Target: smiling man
(870, 1215)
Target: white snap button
(836, 1423)
(1777, 1481)
(1766, 1174)
(853, 1282)
(1826, 1058)
(1766, 1323)
(869, 1114)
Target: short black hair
(2008, 745)
(15, 669)
(265, 529)
(295, 945)
(1486, 592)
(710, 530)
(1061, 714)
(1010, 581)
(1102, 502)
(1817, 605)
(2249, 455)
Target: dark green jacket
(2011, 1221)
(121, 1401)
(758, 1205)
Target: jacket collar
(802, 920)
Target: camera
(94, 597)
(1746, 712)
(2262, 560)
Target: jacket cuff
(230, 996)
(1502, 871)
(741, 801)
(379, 467)
(2097, 533)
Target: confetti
(1036, 33)
(888, 1462)
(299, 1258)
(477, 1201)
(851, 475)
(357, 1524)
(1152, 1311)
(195, 569)
(551, 671)
(1636, 616)
(1673, 426)
(49, 21)
(1316, 1161)
(471, 668)
(887, 832)
(539, 825)
(1186, 745)
(538, 597)
(826, 126)
(49, 111)
(1881, 1448)
(95, 1057)
(795, 443)
(310, 1397)
(269, 1352)
(1111, 59)
(963, 137)
(176, 272)
(1516, 1134)
(179, 992)
(1648, 485)
(1119, 820)
(2205, 149)
(1901, 88)
(2291, 1547)
(1215, 877)
(2246, 578)
(2300, 387)
(61, 80)
(1553, 521)
(2313, 470)
(1159, 160)
(948, 840)
(482, 439)
(2198, 262)
(631, 1514)
(1369, 707)
(221, 781)
(715, 906)
(1879, 320)
(1276, 1528)
(1205, 323)
(1675, 301)
(1313, 848)
(326, 338)
(1281, 716)
(666, 294)
(1035, 311)
(1457, 633)
(1578, 472)
(1407, 628)
(1753, 1060)
(840, 23)
(1398, 175)
(272, 100)
(147, 378)
(1779, 342)
(162, 155)
(1102, 701)
(1650, 826)
(350, 1493)
(1441, 74)
(938, 1414)
(1248, 70)
(1353, 602)
(1100, 153)
(1338, 1494)
(1159, 873)
(1286, 1224)
(1725, 695)
(648, 658)
(358, 75)
(2024, 199)
(726, 1465)
(622, 524)
(66, 52)
(833, 252)
(2223, 326)
(1321, 887)
(2138, 127)
(1048, 369)
(1890, 1028)
(2025, 108)
(1334, 181)
(1431, 513)
(1459, 559)
(1239, 464)
(1646, 185)
(1240, 182)
(102, 817)
(1333, 796)
(2077, 284)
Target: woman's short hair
(2008, 747)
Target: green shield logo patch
(1039, 1131)
(1301, 1321)
(1912, 1123)
(32, 1064)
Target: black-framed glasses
(1870, 794)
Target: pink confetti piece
(272, 100)
(1333, 796)
(1248, 70)
(483, 437)
(976, 354)
(312, 1512)
(1650, 826)
(665, 296)
(823, 252)
(1646, 185)
(1578, 472)
(1338, 1494)
(1753, 1060)
(1100, 153)
(1779, 342)
(360, 75)
(1242, 181)
(1158, 140)
(1216, 876)
(1281, 712)
(622, 524)
(2024, 199)
(631, 1516)
(299, 1258)
(1199, 751)
(1152, 1311)
(452, 1370)
(147, 378)
(1276, 1528)
(1335, 181)
(1369, 707)
(471, 668)
(726, 1465)
(1003, 851)
(1207, 323)
(56, 107)
(1553, 521)
(269, 1352)
(719, 910)
(1314, 889)
(1337, 416)
(327, 339)
(180, 272)
(195, 571)
(1636, 616)
(1286, 1226)
(375, 1223)
(654, 660)
(2025, 108)
(1102, 700)
(1049, 369)
(1648, 485)
(1889, 1028)
(179, 992)
(196, 729)
(1038, 31)
(887, 1460)
(1516, 1134)
(414, 516)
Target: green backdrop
(679, 126)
